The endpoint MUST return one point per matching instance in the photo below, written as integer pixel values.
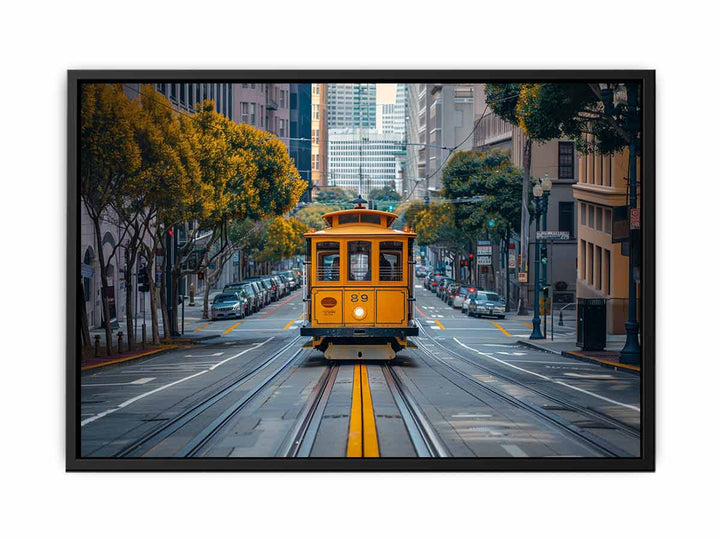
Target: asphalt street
(467, 389)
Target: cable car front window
(359, 261)
(328, 261)
(391, 261)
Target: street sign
(484, 247)
(511, 260)
(522, 277)
(634, 218)
(484, 260)
(552, 235)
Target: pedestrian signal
(143, 279)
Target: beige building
(319, 127)
(602, 264)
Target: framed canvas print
(361, 270)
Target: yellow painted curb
(140, 355)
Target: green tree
(311, 214)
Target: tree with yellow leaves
(110, 158)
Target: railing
(566, 306)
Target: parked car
(271, 287)
(461, 296)
(451, 292)
(277, 286)
(442, 287)
(228, 305)
(289, 275)
(434, 281)
(420, 272)
(253, 295)
(486, 303)
(263, 291)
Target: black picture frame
(646, 462)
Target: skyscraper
(352, 105)
(319, 135)
(300, 132)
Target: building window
(583, 248)
(608, 220)
(328, 261)
(606, 260)
(598, 257)
(591, 216)
(252, 113)
(590, 278)
(244, 113)
(583, 210)
(566, 214)
(599, 217)
(566, 160)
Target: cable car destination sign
(552, 235)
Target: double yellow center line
(362, 436)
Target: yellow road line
(354, 447)
(202, 326)
(508, 334)
(527, 324)
(288, 325)
(370, 441)
(233, 327)
(441, 325)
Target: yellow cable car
(359, 286)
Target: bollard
(561, 321)
(192, 294)
(120, 343)
(144, 335)
(97, 346)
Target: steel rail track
(301, 438)
(564, 403)
(154, 437)
(423, 437)
(588, 439)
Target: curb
(133, 357)
(577, 355)
(190, 340)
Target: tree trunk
(84, 327)
(129, 316)
(525, 227)
(163, 309)
(104, 284)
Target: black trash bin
(591, 324)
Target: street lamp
(630, 353)
(540, 204)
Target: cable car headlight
(359, 313)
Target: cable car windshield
(391, 261)
(328, 261)
(359, 261)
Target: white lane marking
(441, 316)
(241, 353)
(293, 328)
(626, 405)
(497, 345)
(203, 355)
(418, 286)
(136, 398)
(435, 327)
(512, 353)
(514, 450)
(471, 415)
(589, 376)
(138, 381)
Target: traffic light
(390, 208)
(543, 255)
(143, 279)
(201, 275)
(484, 269)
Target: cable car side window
(391, 261)
(359, 261)
(328, 261)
